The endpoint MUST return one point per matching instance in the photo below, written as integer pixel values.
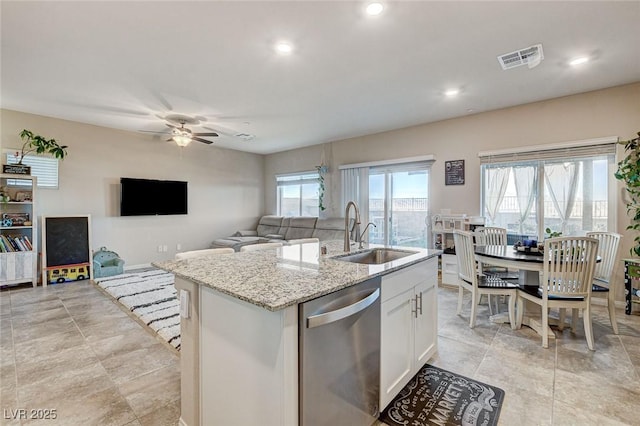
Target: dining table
(529, 265)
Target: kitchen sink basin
(376, 256)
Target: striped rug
(151, 296)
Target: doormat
(439, 397)
(151, 296)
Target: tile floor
(69, 347)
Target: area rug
(439, 397)
(151, 296)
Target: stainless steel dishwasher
(340, 357)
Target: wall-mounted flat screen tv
(149, 197)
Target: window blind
(572, 151)
(297, 179)
(44, 168)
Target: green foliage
(322, 169)
(553, 234)
(629, 172)
(40, 145)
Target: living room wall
(608, 112)
(225, 186)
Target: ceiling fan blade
(205, 134)
(172, 126)
(201, 140)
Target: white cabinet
(18, 236)
(408, 325)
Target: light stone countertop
(276, 278)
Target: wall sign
(454, 172)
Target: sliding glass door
(399, 206)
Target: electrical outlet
(159, 249)
(178, 246)
(165, 248)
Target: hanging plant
(322, 170)
(629, 172)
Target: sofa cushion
(237, 242)
(300, 227)
(269, 225)
(329, 229)
(284, 226)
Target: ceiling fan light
(182, 140)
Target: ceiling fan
(183, 136)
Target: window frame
(297, 179)
(43, 167)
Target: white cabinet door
(449, 269)
(426, 327)
(396, 345)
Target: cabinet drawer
(404, 279)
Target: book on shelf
(9, 244)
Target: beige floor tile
(128, 341)
(66, 384)
(32, 295)
(458, 357)
(457, 328)
(151, 392)
(127, 366)
(568, 415)
(110, 328)
(8, 393)
(103, 316)
(90, 307)
(34, 349)
(19, 309)
(25, 332)
(632, 346)
(106, 408)
(525, 409)
(515, 375)
(34, 318)
(169, 415)
(47, 366)
(614, 401)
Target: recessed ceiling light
(374, 9)
(579, 61)
(451, 93)
(284, 48)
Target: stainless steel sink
(375, 256)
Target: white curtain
(355, 187)
(561, 179)
(496, 186)
(526, 182)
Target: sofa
(279, 228)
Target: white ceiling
(125, 64)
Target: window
(298, 194)
(569, 190)
(394, 196)
(42, 167)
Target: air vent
(245, 136)
(530, 56)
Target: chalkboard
(454, 172)
(66, 240)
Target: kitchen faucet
(364, 232)
(347, 246)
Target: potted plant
(629, 172)
(322, 170)
(38, 144)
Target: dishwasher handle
(333, 316)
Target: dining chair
(204, 252)
(490, 236)
(260, 246)
(478, 284)
(566, 281)
(608, 243)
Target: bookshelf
(18, 230)
(442, 227)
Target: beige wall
(609, 112)
(225, 186)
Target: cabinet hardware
(419, 296)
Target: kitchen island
(240, 339)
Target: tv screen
(149, 197)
